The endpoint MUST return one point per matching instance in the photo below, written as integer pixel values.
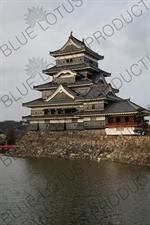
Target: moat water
(72, 192)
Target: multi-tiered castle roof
(79, 96)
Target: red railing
(6, 146)
(122, 124)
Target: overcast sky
(118, 30)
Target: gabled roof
(114, 90)
(97, 92)
(100, 76)
(105, 74)
(72, 46)
(62, 89)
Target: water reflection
(52, 191)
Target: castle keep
(79, 96)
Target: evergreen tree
(10, 137)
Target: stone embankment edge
(84, 144)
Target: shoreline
(85, 144)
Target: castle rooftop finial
(71, 33)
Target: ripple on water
(72, 192)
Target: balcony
(128, 124)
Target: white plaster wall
(100, 118)
(122, 130)
(33, 122)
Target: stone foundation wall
(91, 144)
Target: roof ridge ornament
(71, 33)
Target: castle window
(93, 63)
(127, 119)
(110, 120)
(69, 60)
(118, 119)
